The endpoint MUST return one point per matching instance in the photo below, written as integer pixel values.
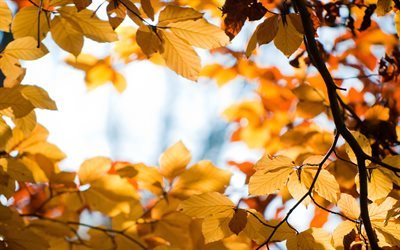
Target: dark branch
(319, 63)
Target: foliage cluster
(351, 171)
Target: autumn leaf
(199, 33)
(288, 39)
(179, 56)
(174, 14)
(92, 27)
(174, 160)
(207, 204)
(6, 16)
(26, 23)
(67, 34)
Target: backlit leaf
(67, 34)
(179, 56)
(174, 160)
(25, 23)
(287, 39)
(207, 204)
(6, 16)
(174, 14)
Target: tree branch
(319, 63)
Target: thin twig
(332, 212)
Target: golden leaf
(149, 178)
(25, 23)
(67, 34)
(377, 113)
(38, 97)
(326, 185)
(200, 178)
(313, 238)
(179, 56)
(271, 175)
(349, 206)
(5, 134)
(174, 160)
(82, 4)
(174, 14)
(25, 48)
(93, 169)
(13, 104)
(111, 195)
(216, 227)
(379, 185)
(92, 27)
(26, 123)
(363, 142)
(207, 204)
(200, 33)
(311, 101)
(297, 188)
(16, 169)
(343, 229)
(5, 16)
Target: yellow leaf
(132, 11)
(271, 175)
(377, 113)
(92, 27)
(200, 178)
(207, 204)
(349, 206)
(287, 39)
(174, 14)
(394, 161)
(11, 68)
(47, 149)
(200, 33)
(216, 226)
(6, 16)
(297, 188)
(16, 169)
(25, 48)
(100, 240)
(267, 30)
(174, 160)
(149, 178)
(379, 212)
(38, 97)
(37, 173)
(13, 104)
(26, 123)
(93, 169)
(179, 56)
(111, 195)
(25, 23)
(67, 34)
(174, 227)
(363, 142)
(326, 185)
(313, 238)
(343, 229)
(148, 41)
(389, 230)
(311, 101)
(265, 182)
(379, 185)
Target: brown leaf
(238, 221)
